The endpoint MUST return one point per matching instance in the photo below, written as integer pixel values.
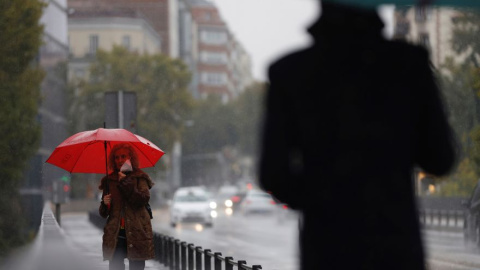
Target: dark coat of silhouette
(347, 121)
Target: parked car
(257, 201)
(191, 205)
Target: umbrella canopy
(374, 3)
(85, 152)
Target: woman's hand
(107, 199)
(121, 175)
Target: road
(266, 241)
(260, 240)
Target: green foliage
(466, 34)
(474, 151)
(248, 111)
(217, 126)
(462, 182)
(461, 100)
(213, 127)
(159, 82)
(461, 87)
(20, 95)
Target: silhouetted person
(353, 115)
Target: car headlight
(228, 203)
(213, 205)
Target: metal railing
(179, 255)
(439, 218)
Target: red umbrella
(87, 151)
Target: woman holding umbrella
(128, 230)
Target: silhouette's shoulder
(291, 60)
(404, 50)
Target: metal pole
(198, 258)
(107, 188)
(217, 262)
(177, 254)
(228, 263)
(120, 109)
(171, 244)
(207, 260)
(184, 255)
(190, 256)
(164, 253)
(241, 265)
(57, 213)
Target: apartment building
(93, 29)
(162, 15)
(188, 40)
(223, 66)
(429, 26)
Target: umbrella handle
(107, 188)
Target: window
(214, 37)
(126, 42)
(214, 78)
(93, 44)
(213, 57)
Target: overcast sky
(270, 28)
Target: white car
(257, 201)
(191, 205)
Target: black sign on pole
(121, 110)
(111, 110)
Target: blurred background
(190, 76)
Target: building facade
(162, 15)
(429, 26)
(188, 40)
(90, 30)
(223, 66)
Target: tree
(461, 87)
(163, 99)
(460, 100)
(20, 80)
(217, 125)
(230, 130)
(160, 83)
(213, 127)
(248, 113)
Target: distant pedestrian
(354, 115)
(128, 231)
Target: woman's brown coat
(130, 196)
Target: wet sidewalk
(76, 245)
(86, 239)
